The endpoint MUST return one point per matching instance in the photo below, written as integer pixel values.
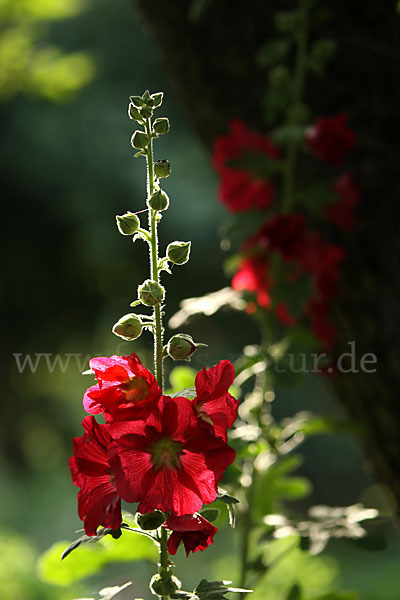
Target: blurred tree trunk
(212, 61)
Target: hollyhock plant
(125, 389)
(98, 500)
(168, 454)
(213, 403)
(194, 531)
(241, 190)
(169, 461)
(330, 138)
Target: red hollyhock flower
(98, 499)
(343, 212)
(194, 530)
(169, 460)
(240, 190)
(330, 139)
(308, 254)
(213, 403)
(252, 276)
(125, 389)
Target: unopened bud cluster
(151, 293)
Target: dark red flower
(343, 212)
(98, 499)
(168, 461)
(305, 253)
(240, 139)
(213, 403)
(239, 188)
(239, 191)
(330, 139)
(125, 389)
(194, 530)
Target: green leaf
(211, 514)
(89, 559)
(227, 499)
(215, 590)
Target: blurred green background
(67, 68)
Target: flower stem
(163, 564)
(300, 69)
(154, 268)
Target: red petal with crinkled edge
(213, 402)
(194, 530)
(98, 500)
(180, 478)
(125, 389)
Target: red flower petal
(213, 401)
(98, 500)
(194, 530)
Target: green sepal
(157, 99)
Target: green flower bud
(139, 140)
(151, 521)
(151, 292)
(158, 201)
(133, 113)
(181, 347)
(128, 223)
(178, 252)
(137, 101)
(161, 126)
(162, 168)
(164, 586)
(157, 99)
(129, 327)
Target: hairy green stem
(300, 68)
(163, 564)
(154, 267)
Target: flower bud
(164, 586)
(139, 140)
(127, 223)
(151, 292)
(161, 126)
(158, 201)
(181, 347)
(133, 113)
(178, 252)
(146, 98)
(129, 327)
(157, 99)
(150, 521)
(136, 101)
(162, 168)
